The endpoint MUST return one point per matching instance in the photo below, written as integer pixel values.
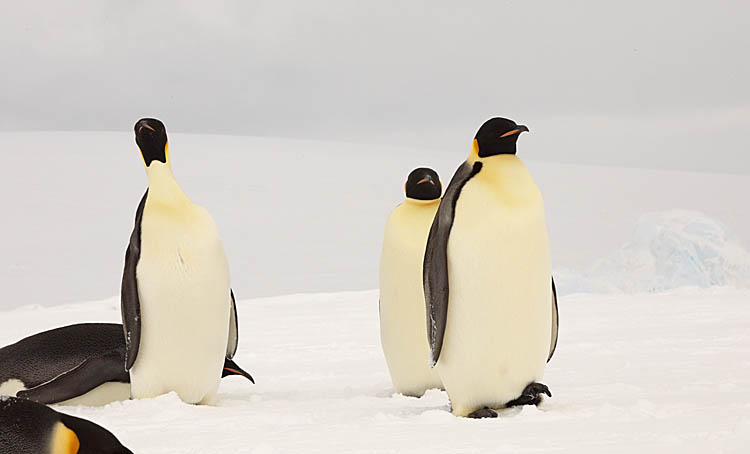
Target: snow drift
(668, 250)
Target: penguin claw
(485, 412)
(531, 395)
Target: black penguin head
(498, 136)
(423, 184)
(93, 439)
(151, 137)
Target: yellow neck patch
(474, 153)
(64, 440)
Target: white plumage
(184, 292)
(497, 336)
(403, 332)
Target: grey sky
(637, 83)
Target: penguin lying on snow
(402, 310)
(491, 304)
(30, 428)
(178, 310)
(80, 364)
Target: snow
(667, 372)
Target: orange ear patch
(64, 440)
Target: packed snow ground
(295, 216)
(666, 372)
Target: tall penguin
(491, 307)
(178, 310)
(402, 310)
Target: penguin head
(151, 137)
(497, 136)
(92, 438)
(423, 184)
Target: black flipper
(435, 270)
(555, 322)
(234, 332)
(130, 305)
(80, 380)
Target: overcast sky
(637, 83)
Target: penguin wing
(435, 269)
(233, 329)
(555, 322)
(130, 304)
(80, 380)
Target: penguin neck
(162, 186)
(418, 202)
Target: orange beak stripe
(510, 133)
(233, 370)
(423, 180)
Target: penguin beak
(519, 129)
(427, 179)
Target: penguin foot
(485, 412)
(532, 395)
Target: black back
(40, 358)
(130, 304)
(27, 428)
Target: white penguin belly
(183, 286)
(497, 336)
(103, 394)
(403, 327)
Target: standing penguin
(178, 309)
(491, 307)
(30, 428)
(402, 310)
(81, 364)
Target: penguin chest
(499, 319)
(403, 329)
(183, 287)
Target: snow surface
(658, 373)
(295, 216)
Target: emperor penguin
(402, 311)
(82, 364)
(491, 304)
(178, 310)
(27, 427)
